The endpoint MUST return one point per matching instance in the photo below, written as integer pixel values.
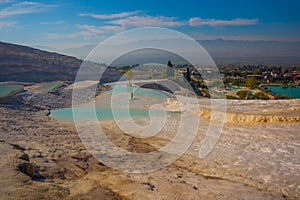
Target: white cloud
(61, 36)
(197, 21)
(25, 7)
(110, 16)
(147, 21)
(90, 29)
(113, 28)
(87, 32)
(52, 23)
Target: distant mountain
(253, 52)
(26, 64)
(233, 51)
(234, 48)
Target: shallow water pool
(9, 89)
(87, 113)
(285, 90)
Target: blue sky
(66, 24)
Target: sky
(73, 23)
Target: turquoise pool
(285, 90)
(87, 113)
(143, 97)
(8, 89)
(49, 86)
(137, 91)
(234, 88)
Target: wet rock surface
(247, 163)
(16, 178)
(38, 159)
(43, 158)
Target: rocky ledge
(247, 163)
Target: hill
(25, 64)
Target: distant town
(240, 81)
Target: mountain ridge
(26, 64)
(233, 51)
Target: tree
(251, 82)
(163, 72)
(128, 76)
(188, 74)
(261, 95)
(257, 72)
(170, 71)
(244, 94)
